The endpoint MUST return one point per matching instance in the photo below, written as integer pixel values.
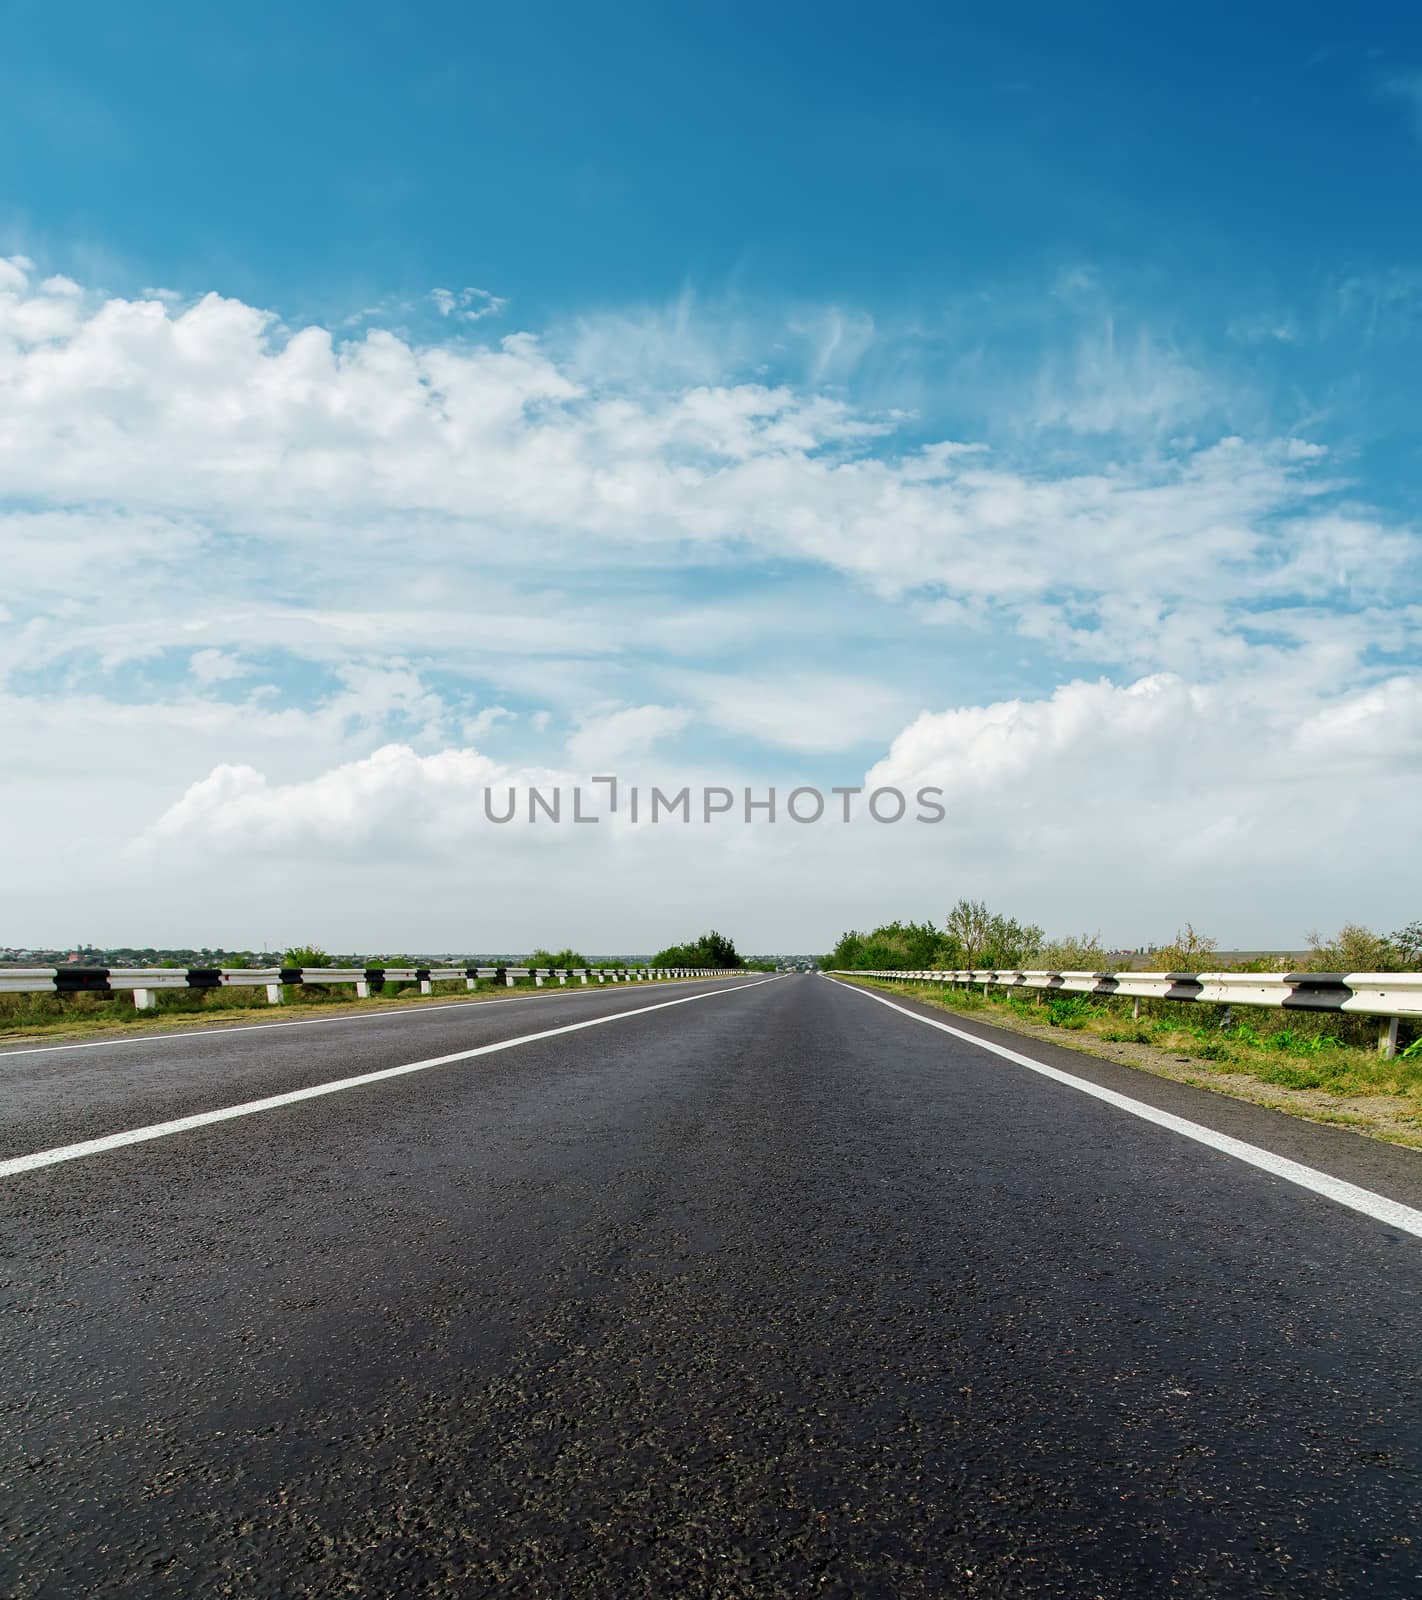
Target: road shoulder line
(249, 1108)
(203, 1031)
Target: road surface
(771, 1291)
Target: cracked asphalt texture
(775, 1293)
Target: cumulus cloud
(1125, 805)
(394, 797)
(216, 417)
(308, 572)
(1236, 775)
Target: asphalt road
(772, 1292)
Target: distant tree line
(710, 950)
(564, 960)
(973, 937)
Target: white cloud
(1109, 384)
(216, 666)
(468, 305)
(1201, 793)
(393, 795)
(213, 419)
(1134, 806)
(197, 488)
(798, 712)
(603, 740)
(482, 722)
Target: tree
(968, 929)
(1072, 955)
(305, 955)
(845, 957)
(710, 950)
(1190, 952)
(1353, 949)
(1408, 944)
(921, 942)
(976, 938)
(563, 960)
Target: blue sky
(784, 392)
(342, 152)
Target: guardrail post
(537, 980)
(145, 999)
(362, 989)
(274, 994)
(1387, 1039)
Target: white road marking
(250, 1108)
(1392, 1212)
(311, 1022)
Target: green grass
(25, 1014)
(1326, 1053)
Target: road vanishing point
(750, 1287)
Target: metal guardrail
(145, 982)
(1389, 996)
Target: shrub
(1191, 952)
(1072, 1011)
(306, 955)
(710, 950)
(1071, 955)
(1353, 949)
(560, 960)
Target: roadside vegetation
(972, 936)
(1321, 1055)
(84, 1013)
(710, 950)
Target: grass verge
(1307, 1073)
(48, 1018)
